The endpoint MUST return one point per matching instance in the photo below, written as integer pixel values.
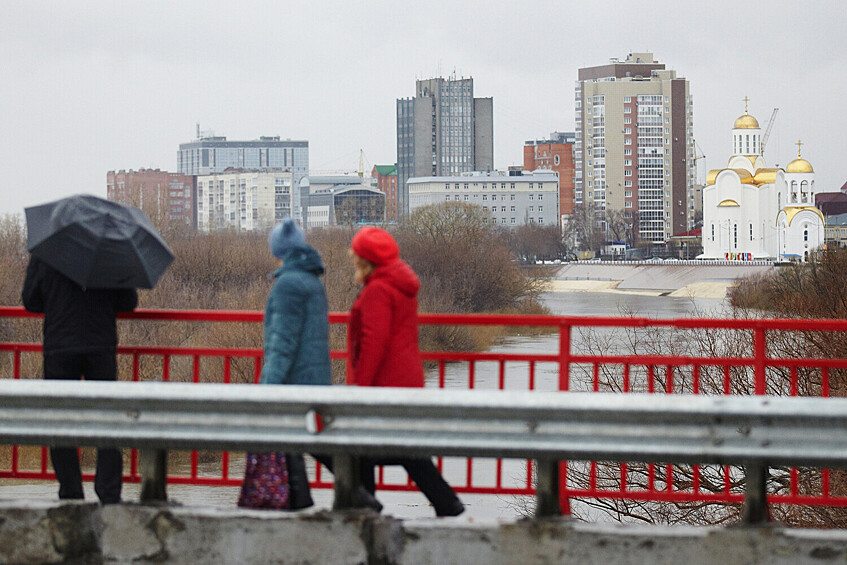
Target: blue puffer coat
(296, 324)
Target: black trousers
(65, 460)
(423, 473)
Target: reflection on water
(486, 376)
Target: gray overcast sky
(92, 86)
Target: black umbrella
(97, 243)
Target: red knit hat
(376, 245)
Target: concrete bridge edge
(85, 533)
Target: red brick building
(169, 199)
(386, 182)
(554, 155)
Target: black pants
(108, 476)
(424, 474)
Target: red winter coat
(384, 329)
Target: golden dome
(746, 122)
(799, 165)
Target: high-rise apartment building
(554, 154)
(209, 154)
(634, 148)
(442, 131)
(167, 198)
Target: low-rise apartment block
(510, 199)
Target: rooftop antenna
(198, 130)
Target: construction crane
(698, 154)
(767, 132)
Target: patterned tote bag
(265, 482)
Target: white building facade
(754, 212)
(243, 200)
(510, 200)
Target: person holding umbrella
(87, 257)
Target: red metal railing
(622, 354)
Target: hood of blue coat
(399, 275)
(301, 258)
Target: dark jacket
(296, 322)
(384, 329)
(75, 320)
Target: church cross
(745, 104)
(799, 144)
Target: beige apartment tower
(634, 148)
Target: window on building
(541, 197)
(512, 220)
(751, 232)
(806, 234)
(713, 232)
(457, 198)
(540, 208)
(627, 151)
(627, 120)
(513, 208)
(627, 141)
(627, 183)
(627, 194)
(446, 197)
(502, 208)
(628, 204)
(466, 197)
(735, 235)
(627, 99)
(531, 208)
(511, 197)
(627, 173)
(485, 197)
(627, 110)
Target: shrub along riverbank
(463, 265)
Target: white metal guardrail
(753, 431)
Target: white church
(754, 212)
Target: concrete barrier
(85, 533)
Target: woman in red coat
(384, 346)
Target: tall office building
(634, 148)
(442, 131)
(210, 154)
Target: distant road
(681, 278)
